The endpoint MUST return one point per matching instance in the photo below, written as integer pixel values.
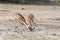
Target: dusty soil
(47, 23)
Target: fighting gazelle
(19, 18)
(29, 21)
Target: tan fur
(29, 19)
(19, 18)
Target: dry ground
(47, 19)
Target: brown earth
(47, 22)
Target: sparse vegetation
(28, 1)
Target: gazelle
(19, 18)
(29, 21)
